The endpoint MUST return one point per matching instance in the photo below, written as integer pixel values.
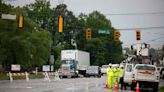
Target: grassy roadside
(161, 89)
(3, 76)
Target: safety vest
(115, 70)
(109, 71)
(121, 72)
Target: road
(64, 85)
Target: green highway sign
(104, 31)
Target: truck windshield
(67, 62)
(145, 68)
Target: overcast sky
(146, 15)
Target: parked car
(93, 71)
(103, 69)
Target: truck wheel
(155, 88)
(86, 75)
(132, 86)
(60, 77)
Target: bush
(161, 89)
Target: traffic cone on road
(106, 85)
(115, 87)
(137, 88)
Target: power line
(144, 13)
(146, 28)
(148, 41)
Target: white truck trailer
(74, 62)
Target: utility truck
(139, 69)
(73, 63)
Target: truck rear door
(128, 75)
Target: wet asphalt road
(91, 84)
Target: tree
(22, 47)
(96, 48)
(70, 28)
(41, 14)
(112, 50)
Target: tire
(132, 87)
(99, 76)
(155, 88)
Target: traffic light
(60, 24)
(138, 35)
(20, 21)
(116, 35)
(88, 33)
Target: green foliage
(29, 46)
(32, 46)
(96, 48)
(3, 76)
(41, 14)
(161, 89)
(103, 48)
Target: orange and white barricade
(18, 74)
(56, 76)
(48, 74)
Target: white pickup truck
(144, 74)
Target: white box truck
(74, 62)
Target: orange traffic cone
(115, 87)
(137, 88)
(106, 85)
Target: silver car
(93, 71)
(103, 69)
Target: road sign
(8, 16)
(104, 31)
(46, 68)
(15, 67)
(52, 59)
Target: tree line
(39, 38)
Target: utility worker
(115, 73)
(109, 76)
(121, 77)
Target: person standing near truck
(121, 71)
(110, 76)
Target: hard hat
(110, 64)
(117, 65)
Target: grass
(3, 76)
(161, 89)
